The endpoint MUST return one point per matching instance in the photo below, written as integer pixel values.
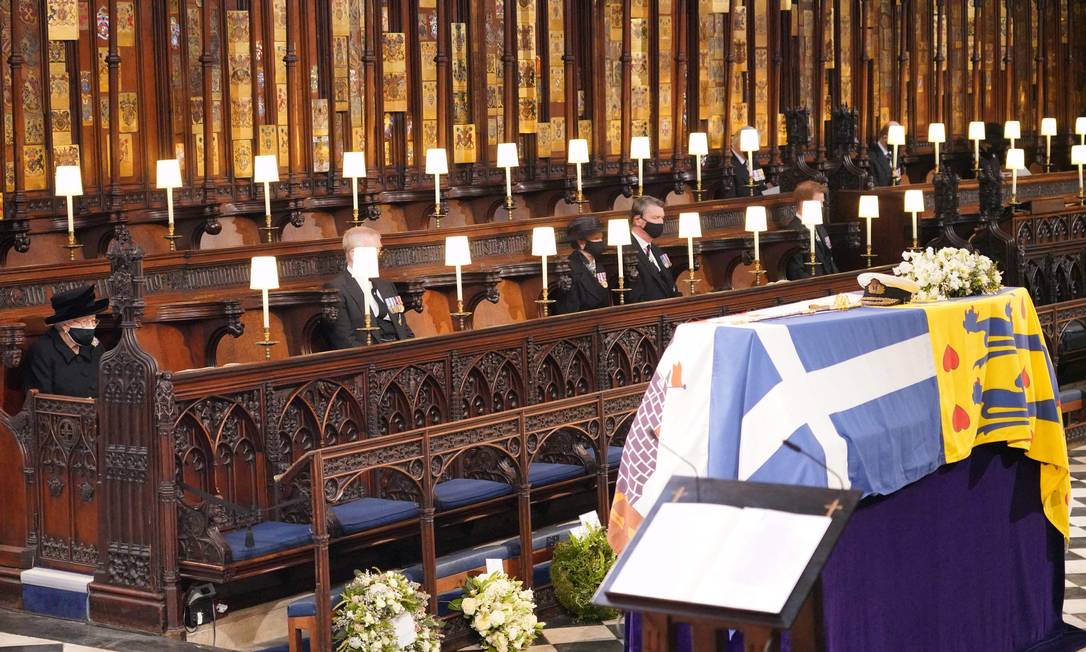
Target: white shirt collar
(642, 243)
(742, 159)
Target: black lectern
(801, 612)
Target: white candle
(619, 248)
(459, 284)
(812, 226)
(697, 167)
(169, 205)
(437, 189)
(1048, 150)
(976, 153)
(267, 200)
(895, 160)
(71, 218)
(915, 235)
(264, 295)
(869, 230)
(509, 182)
(354, 192)
(544, 271)
(578, 178)
(640, 173)
(936, 155)
(1014, 182)
(750, 165)
(690, 254)
(757, 247)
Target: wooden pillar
(18, 116)
(330, 97)
(569, 61)
(426, 527)
(978, 43)
(322, 590)
(113, 61)
(509, 73)
(819, 81)
(683, 120)
(627, 74)
(776, 46)
(207, 59)
(374, 122)
(444, 86)
(293, 87)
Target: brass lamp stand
(267, 343)
(544, 303)
(759, 273)
(461, 314)
(368, 328)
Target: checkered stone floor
(563, 635)
(1074, 595)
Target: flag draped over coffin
(881, 396)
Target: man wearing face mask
(654, 279)
(589, 289)
(65, 359)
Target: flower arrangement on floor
(949, 272)
(578, 567)
(501, 611)
(385, 612)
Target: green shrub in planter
(577, 569)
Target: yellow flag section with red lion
(997, 385)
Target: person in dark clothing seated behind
(882, 158)
(796, 264)
(742, 175)
(654, 279)
(589, 289)
(386, 307)
(65, 359)
(993, 150)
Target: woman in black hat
(65, 359)
(589, 289)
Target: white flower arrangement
(949, 272)
(384, 612)
(500, 611)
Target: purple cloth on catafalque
(962, 560)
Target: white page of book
(724, 556)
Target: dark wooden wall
(217, 82)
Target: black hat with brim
(886, 289)
(582, 227)
(75, 303)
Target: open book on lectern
(739, 548)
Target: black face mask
(654, 229)
(82, 336)
(595, 248)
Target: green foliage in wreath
(577, 569)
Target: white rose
(498, 617)
(469, 605)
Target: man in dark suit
(993, 150)
(384, 303)
(796, 265)
(742, 175)
(654, 279)
(589, 289)
(881, 159)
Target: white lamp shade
(69, 181)
(1048, 126)
(543, 241)
(264, 274)
(1080, 126)
(354, 164)
(1012, 129)
(457, 250)
(748, 139)
(618, 232)
(1016, 158)
(811, 212)
(976, 130)
(689, 225)
(895, 135)
(437, 161)
(914, 201)
(639, 147)
(1078, 155)
(869, 206)
(265, 169)
(699, 144)
(756, 218)
(937, 132)
(364, 263)
(168, 174)
(507, 155)
(577, 151)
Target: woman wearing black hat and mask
(589, 289)
(65, 359)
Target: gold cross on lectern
(679, 493)
(835, 506)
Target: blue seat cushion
(461, 561)
(268, 537)
(614, 456)
(366, 513)
(1068, 396)
(543, 473)
(464, 491)
(307, 605)
(543, 539)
